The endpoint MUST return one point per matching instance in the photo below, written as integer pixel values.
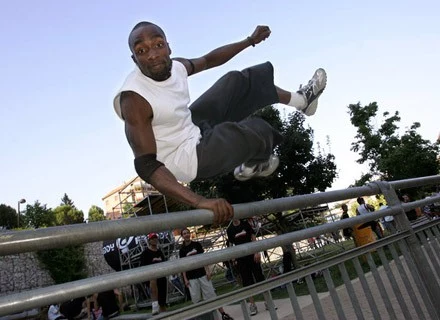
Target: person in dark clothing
(158, 287)
(288, 258)
(347, 232)
(249, 267)
(110, 302)
(411, 214)
(72, 309)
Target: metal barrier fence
(411, 256)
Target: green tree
(389, 156)
(8, 217)
(66, 201)
(67, 214)
(68, 263)
(96, 214)
(38, 216)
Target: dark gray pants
(229, 136)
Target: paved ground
(285, 311)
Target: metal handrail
(24, 241)
(57, 237)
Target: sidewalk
(285, 311)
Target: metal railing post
(428, 280)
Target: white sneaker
(155, 308)
(267, 307)
(253, 309)
(312, 90)
(243, 173)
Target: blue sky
(62, 61)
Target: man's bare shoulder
(132, 97)
(133, 105)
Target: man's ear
(133, 58)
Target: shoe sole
(311, 108)
(275, 164)
(241, 177)
(264, 174)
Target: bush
(65, 264)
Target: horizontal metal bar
(415, 182)
(57, 237)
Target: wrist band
(251, 41)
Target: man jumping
(173, 141)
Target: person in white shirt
(173, 141)
(363, 209)
(388, 221)
(54, 313)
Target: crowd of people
(99, 306)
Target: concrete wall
(22, 272)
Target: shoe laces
(307, 90)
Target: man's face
(151, 52)
(186, 235)
(153, 241)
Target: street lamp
(18, 213)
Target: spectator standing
(249, 267)
(198, 281)
(158, 287)
(411, 214)
(363, 209)
(388, 221)
(346, 232)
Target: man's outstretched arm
(137, 114)
(224, 53)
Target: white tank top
(362, 209)
(175, 133)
